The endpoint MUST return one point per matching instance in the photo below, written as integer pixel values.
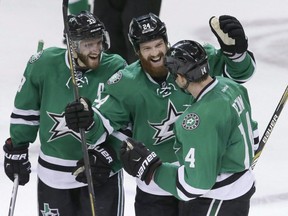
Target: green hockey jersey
(214, 145)
(46, 89)
(131, 96)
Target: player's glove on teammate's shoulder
(16, 162)
(79, 114)
(101, 158)
(230, 35)
(138, 161)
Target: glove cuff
(238, 57)
(8, 146)
(152, 169)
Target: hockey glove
(230, 35)
(16, 162)
(138, 161)
(101, 158)
(79, 114)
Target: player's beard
(91, 63)
(155, 72)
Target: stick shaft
(270, 127)
(40, 45)
(13, 195)
(77, 98)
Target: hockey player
(45, 90)
(145, 95)
(116, 15)
(214, 141)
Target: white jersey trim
(57, 179)
(228, 192)
(153, 188)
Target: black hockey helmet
(146, 28)
(85, 25)
(188, 58)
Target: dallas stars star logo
(164, 130)
(59, 128)
(191, 121)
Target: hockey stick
(77, 98)
(13, 195)
(270, 127)
(40, 45)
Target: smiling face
(88, 52)
(151, 55)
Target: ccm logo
(16, 156)
(145, 163)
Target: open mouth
(156, 60)
(93, 57)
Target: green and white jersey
(46, 89)
(131, 96)
(214, 145)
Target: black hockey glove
(101, 158)
(138, 161)
(79, 115)
(230, 34)
(16, 162)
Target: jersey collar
(207, 89)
